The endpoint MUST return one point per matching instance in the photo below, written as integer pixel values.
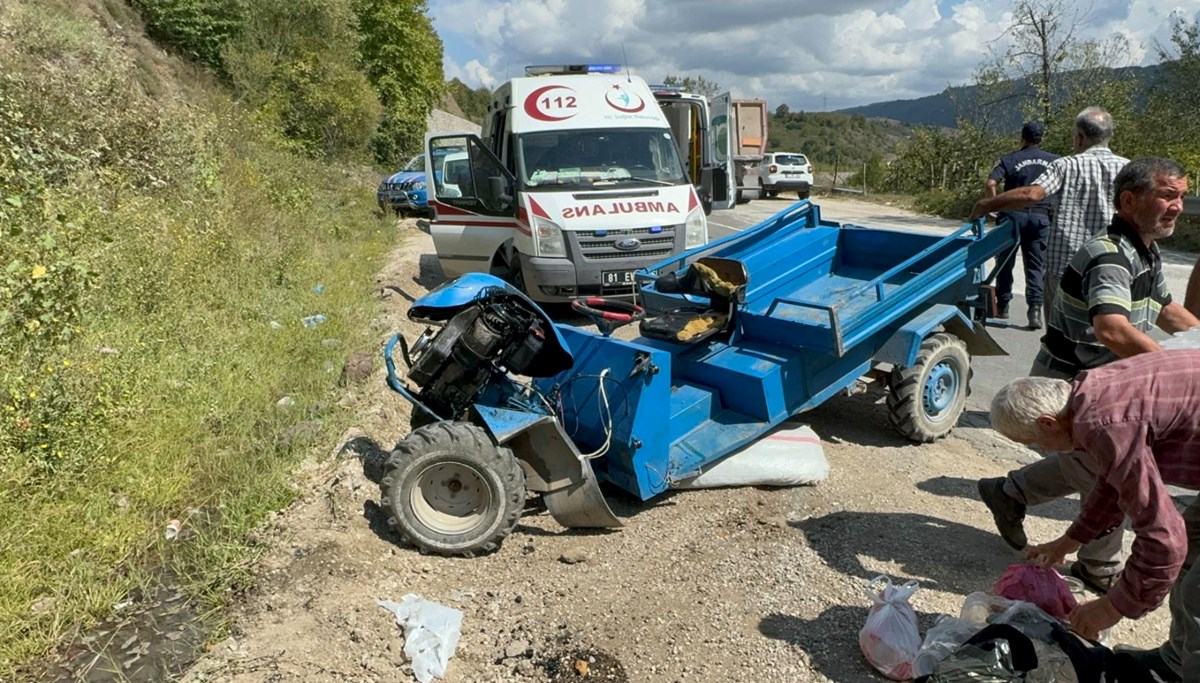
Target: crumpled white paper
(431, 633)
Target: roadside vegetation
(165, 226)
(1049, 74)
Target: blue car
(417, 198)
(391, 194)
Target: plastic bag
(980, 609)
(940, 641)
(1034, 583)
(997, 654)
(431, 633)
(890, 639)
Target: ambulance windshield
(571, 159)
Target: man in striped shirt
(1082, 184)
(1138, 422)
(1112, 294)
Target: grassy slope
(205, 238)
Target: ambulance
(575, 184)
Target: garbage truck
(575, 184)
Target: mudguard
(449, 298)
(902, 349)
(553, 466)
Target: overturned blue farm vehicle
(737, 337)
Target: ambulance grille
(602, 247)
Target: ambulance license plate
(616, 278)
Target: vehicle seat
(722, 280)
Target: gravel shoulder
(712, 585)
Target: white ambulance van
(576, 183)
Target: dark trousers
(1032, 229)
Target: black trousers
(1031, 229)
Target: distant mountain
(941, 109)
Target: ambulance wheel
(450, 490)
(926, 399)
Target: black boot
(1002, 310)
(1035, 317)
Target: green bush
(197, 29)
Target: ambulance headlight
(549, 238)
(695, 230)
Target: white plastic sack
(431, 633)
(890, 639)
(789, 455)
(1187, 339)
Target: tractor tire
(926, 399)
(418, 419)
(450, 490)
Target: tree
(1040, 66)
(294, 61)
(401, 55)
(782, 111)
(697, 84)
(474, 103)
(1171, 124)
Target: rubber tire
(905, 403)
(802, 194)
(460, 443)
(418, 419)
(771, 194)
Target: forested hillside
(829, 138)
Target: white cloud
(807, 53)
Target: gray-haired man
(1082, 183)
(1112, 294)
(1137, 423)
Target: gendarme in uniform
(1018, 169)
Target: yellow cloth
(699, 325)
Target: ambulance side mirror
(501, 189)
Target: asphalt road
(991, 372)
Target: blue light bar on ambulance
(558, 69)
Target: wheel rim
(450, 498)
(940, 391)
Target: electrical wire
(608, 427)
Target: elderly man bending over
(1138, 421)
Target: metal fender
(553, 466)
(902, 348)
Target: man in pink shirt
(1138, 420)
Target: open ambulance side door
(721, 131)
(471, 196)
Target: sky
(813, 55)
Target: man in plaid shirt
(1138, 421)
(1082, 185)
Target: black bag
(1001, 653)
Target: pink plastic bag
(1034, 583)
(890, 639)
